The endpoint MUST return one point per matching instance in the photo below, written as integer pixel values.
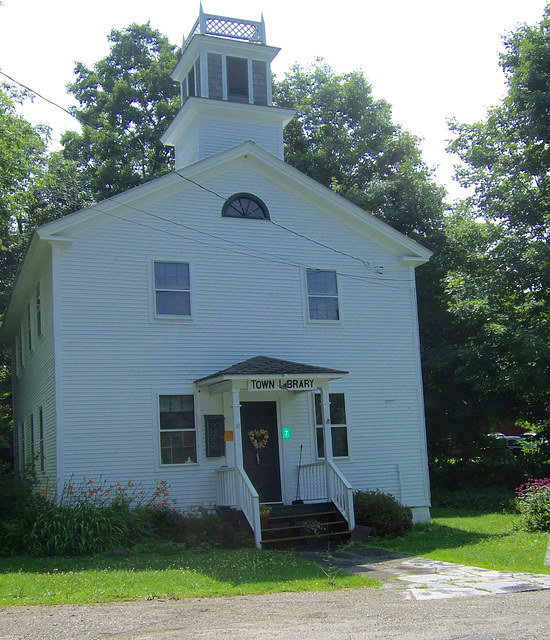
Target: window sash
(178, 436)
(172, 289)
(339, 435)
(322, 291)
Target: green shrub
(382, 512)
(93, 517)
(533, 504)
(87, 518)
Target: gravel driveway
(361, 614)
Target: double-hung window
(338, 426)
(322, 295)
(178, 442)
(172, 289)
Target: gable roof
(264, 365)
(263, 160)
(192, 176)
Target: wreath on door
(258, 438)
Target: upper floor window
(172, 289)
(178, 443)
(322, 295)
(245, 205)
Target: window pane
(177, 447)
(173, 303)
(337, 408)
(318, 413)
(323, 308)
(172, 275)
(177, 412)
(339, 442)
(320, 442)
(320, 282)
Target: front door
(262, 464)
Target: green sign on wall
(286, 433)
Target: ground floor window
(178, 443)
(338, 426)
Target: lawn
(45, 581)
(490, 540)
(482, 539)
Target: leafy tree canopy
(22, 149)
(126, 102)
(503, 297)
(346, 140)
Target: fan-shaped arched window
(245, 205)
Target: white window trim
(314, 321)
(156, 421)
(154, 317)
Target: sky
(430, 59)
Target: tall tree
(22, 151)
(346, 140)
(506, 299)
(126, 102)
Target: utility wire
(365, 263)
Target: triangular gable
(276, 169)
(193, 176)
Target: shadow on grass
(236, 567)
(433, 537)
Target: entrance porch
(262, 462)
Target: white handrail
(313, 483)
(236, 490)
(341, 493)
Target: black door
(262, 465)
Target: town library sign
(290, 384)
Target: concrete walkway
(424, 579)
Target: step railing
(236, 490)
(340, 492)
(313, 482)
(314, 479)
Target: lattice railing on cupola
(212, 25)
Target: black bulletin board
(215, 427)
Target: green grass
(46, 581)
(490, 540)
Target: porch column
(327, 436)
(237, 436)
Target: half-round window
(245, 205)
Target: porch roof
(265, 366)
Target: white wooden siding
(115, 360)
(34, 386)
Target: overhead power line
(83, 120)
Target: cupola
(225, 87)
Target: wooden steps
(295, 525)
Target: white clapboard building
(233, 327)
